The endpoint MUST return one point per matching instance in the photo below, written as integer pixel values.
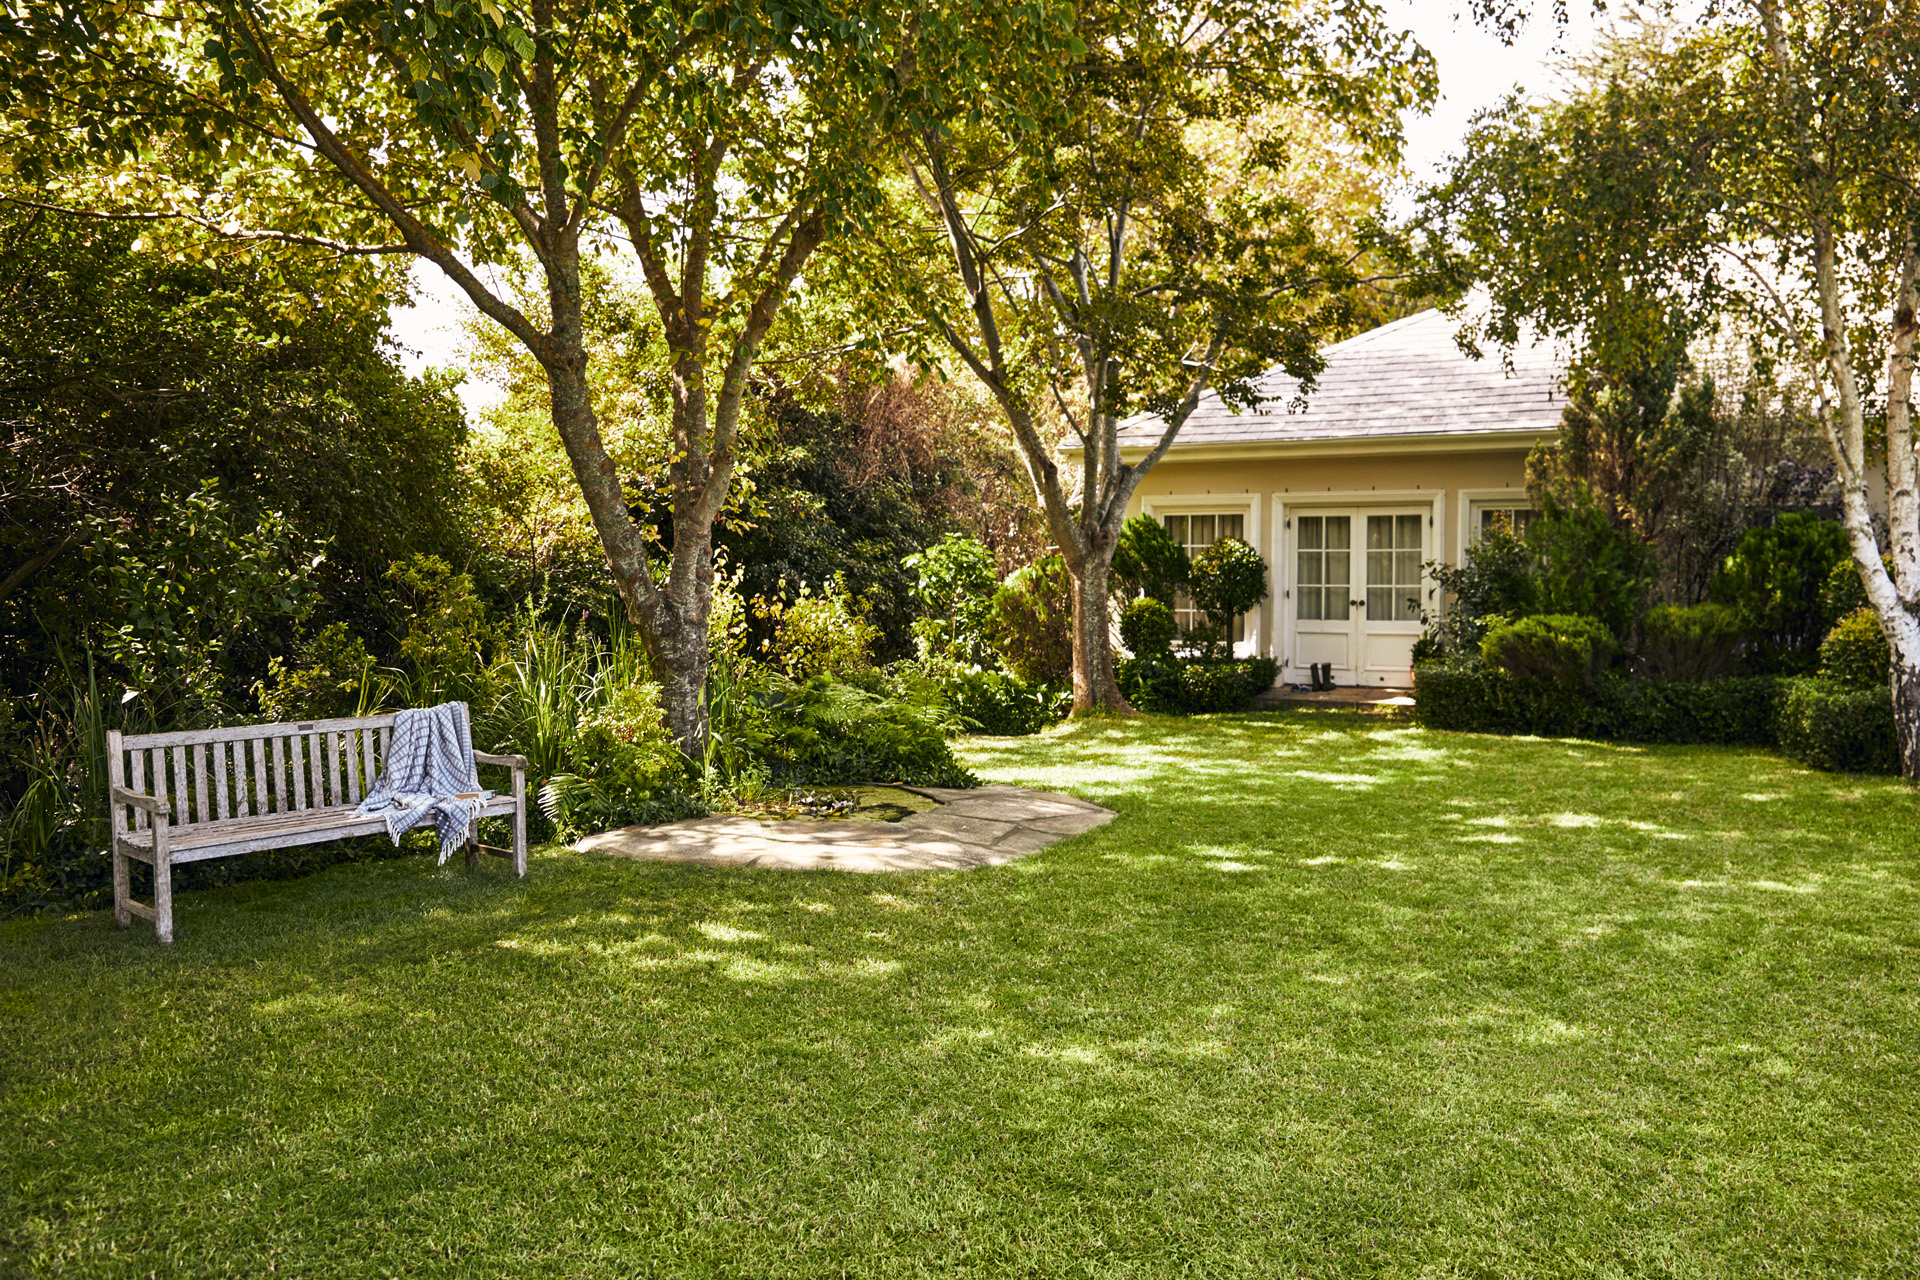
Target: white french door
(1356, 592)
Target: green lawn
(1331, 997)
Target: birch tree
(1759, 166)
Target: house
(1406, 449)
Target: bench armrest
(154, 805)
(512, 762)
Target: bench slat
(158, 790)
(316, 798)
(352, 742)
(259, 775)
(187, 737)
(180, 813)
(244, 835)
(217, 765)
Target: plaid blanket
(429, 766)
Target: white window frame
(1474, 501)
(1248, 506)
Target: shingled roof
(1407, 378)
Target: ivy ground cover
(1332, 997)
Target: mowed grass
(1331, 997)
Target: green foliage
(1496, 581)
(1030, 622)
(1777, 578)
(332, 676)
(1838, 727)
(1855, 653)
(824, 732)
(1148, 628)
(1586, 563)
(1194, 687)
(993, 701)
(1564, 650)
(1147, 561)
(622, 768)
(819, 635)
(1228, 578)
(448, 636)
(1735, 710)
(1696, 642)
(954, 588)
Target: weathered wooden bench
(212, 793)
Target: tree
(721, 142)
(1145, 243)
(1763, 165)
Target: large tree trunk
(1094, 687)
(1906, 710)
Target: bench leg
(520, 823)
(163, 895)
(122, 888)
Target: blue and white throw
(429, 774)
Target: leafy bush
(1177, 687)
(819, 635)
(1696, 642)
(1480, 699)
(447, 636)
(1586, 564)
(828, 732)
(994, 701)
(954, 590)
(1147, 628)
(1559, 649)
(1496, 581)
(1148, 561)
(333, 677)
(1837, 727)
(1031, 622)
(1227, 579)
(1856, 653)
(622, 768)
(1776, 578)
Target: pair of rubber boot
(1321, 676)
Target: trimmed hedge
(1837, 727)
(1819, 722)
(1194, 688)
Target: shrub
(623, 768)
(1031, 622)
(1776, 578)
(819, 635)
(1586, 564)
(1174, 687)
(446, 636)
(1836, 727)
(954, 589)
(1856, 653)
(1473, 698)
(1696, 642)
(333, 677)
(1495, 580)
(1228, 579)
(1148, 629)
(1148, 561)
(1730, 711)
(1559, 649)
(824, 732)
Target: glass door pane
(1393, 568)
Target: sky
(1476, 72)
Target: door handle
(1356, 603)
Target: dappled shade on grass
(1331, 996)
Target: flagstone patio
(983, 827)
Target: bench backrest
(205, 775)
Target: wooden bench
(211, 793)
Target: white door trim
(1358, 502)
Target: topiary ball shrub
(1855, 653)
(1560, 649)
(1694, 642)
(1147, 628)
(1030, 622)
(1228, 579)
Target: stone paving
(983, 827)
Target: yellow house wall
(1443, 482)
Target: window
(1499, 515)
(1325, 568)
(1196, 531)
(1393, 568)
